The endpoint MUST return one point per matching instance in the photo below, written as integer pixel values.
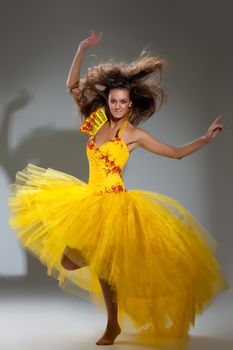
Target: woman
(140, 252)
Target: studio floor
(32, 320)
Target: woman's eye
(122, 102)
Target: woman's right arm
(74, 73)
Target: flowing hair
(142, 77)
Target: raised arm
(150, 143)
(74, 73)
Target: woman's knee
(68, 264)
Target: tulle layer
(156, 256)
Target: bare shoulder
(135, 132)
(132, 135)
(142, 138)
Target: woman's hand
(214, 129)
(91, 40)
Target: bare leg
(68, 264)
(72, 259)
(113, 328)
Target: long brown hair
(142, 78)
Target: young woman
(140, 252)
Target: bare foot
(110, 334)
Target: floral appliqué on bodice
(106, 163)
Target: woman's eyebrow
(123, 99)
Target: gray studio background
(37, 115)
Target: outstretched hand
(214, 129)
(91, 40)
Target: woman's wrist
(81, 48)
(205, 138)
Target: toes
(104, 342)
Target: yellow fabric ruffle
(156, 256)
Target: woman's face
(119, 102)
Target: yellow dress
(156, 256)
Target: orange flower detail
(116, 169)
(91, 144)
(110, 165)
(117, 188)
(86, 127)
(114, 188)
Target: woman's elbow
(177, 154)
(172, 153)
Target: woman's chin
(118, 115)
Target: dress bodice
(106, 162)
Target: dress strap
(123, 125)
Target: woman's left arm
(150, 143)
(211, 133)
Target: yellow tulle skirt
(157, 258)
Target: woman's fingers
(215, 124)
(94, 38)
(220, 126)
(100, 36)
(215, 128)
(218, 117)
